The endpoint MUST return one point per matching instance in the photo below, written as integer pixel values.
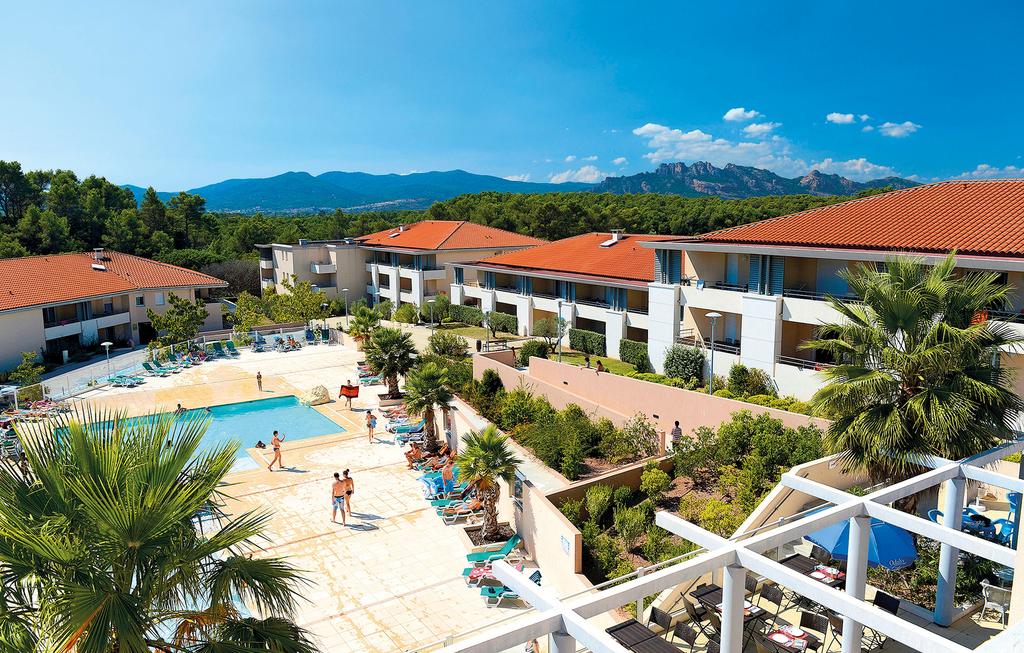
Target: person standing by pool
(371, 423)
(350, 488)
(259, 380)
(338, 499)
(448, 477)
(275, 443)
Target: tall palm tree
(486, 457)
(390, 353)
(917, 368)
(101, 549)
(427, 387)
(365, 321)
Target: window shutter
(675, 267)
(660, 273)
(777, 275)
(754, 276)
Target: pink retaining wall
(619, 397)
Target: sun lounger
(310, 340)
(371, 380)
(454, 518)
(155, 371)
(406, 428)
(231, 348)
(217, 347)
(495, 596)
(484, 557)
(167, 367)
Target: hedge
(503, 322)
(635, 353)
(466, 314)
(684, 362)
(588, 342)
(535, 348)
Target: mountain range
(298, 192)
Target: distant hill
(301, 192)
(737, 182)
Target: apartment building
(768, 280)
(595, 281)
(405, 264)
(64, 302)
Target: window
(140, 300)
(108, 308)
(158, 299)
(460, 275)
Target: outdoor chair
(772, 594)
(935, 516)
(662, 619)
(713, 647)
(684, 633)
(996, 599)
(750, 583)
(820, 554)
(886, 602)
(1014, 499)
(761, 648)
(1005, 533)
(697, 616)
(817, 624)
(716, 622)
(231, 348)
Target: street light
(558, 321)
(107, 345)
(711, 381)
(345, 290)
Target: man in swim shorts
(338, 499)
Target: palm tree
(487, 457)
(364, 322)
(427, 387)
(917, 368)
(390, 353)
(108, 546)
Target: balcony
(591, 301)
(731, 287)
(323, 268)
(803, 293)
(112, 319)
(266, 264)
(802, 363)
(267, 283)
(690, 339)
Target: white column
(416, 288)
(856, 577)
(487, 300)
(568, 313)
(614, 331)
(761, 331)
(733, 593)
(524, 314)
(458, 293)
(663, 310)
(563, 643)
(952, 510)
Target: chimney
(97, 253)
(616, 235)
(401, 227)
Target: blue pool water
(250, 421)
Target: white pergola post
(949, 555)
(563, 643)
(733, 592)
(856, 579)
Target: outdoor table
(637, 637)
(792, 643)
(809, 567)
(711, 597)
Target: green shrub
(385, 309)
(573, 511)
(654, 482)
(598, 499)
(588, 342)
(801, 407)
(436, 309)
(744, 381)
(517, 408)
(622, 496)
(719, 517)
(760, 400)
(407, 314)
(658, 378)
(490, 382)
(682, 362)
(635, 353)
(447, 344)
(606, 552)
(630, 524)
(573, 456)
(466, 314)
(534, 348)
(725, 393)
(576, 423)
(503, 322)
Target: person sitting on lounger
(463, 508)
(414, 454)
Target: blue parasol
(888, 546)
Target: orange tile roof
(59, 278)
(583, 255)
(977, 217)
(447, 234)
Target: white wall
(20, 331)
(662, 321)
(762, 331)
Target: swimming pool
(251, 421)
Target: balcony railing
(734, 287)
(545, 295)
(590, 301)
(507, 288)
(731, 347)
(637, 309)
(802, 363)
(1002, 316)
(802, 293)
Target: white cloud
(760, 128)
(523, 177)
(620, 161)
(667, 144)
(863, 117)
(899, 129)
(739, 114)
(859, 169)
(592, 157)
(586, 174)
(867, 128)
(840, 118)
(570, 158)
(986, 171)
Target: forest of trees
(47, 212)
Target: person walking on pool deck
(346, 391)
(338, 499)
(448, 477)
(371, 423)
(275, 443)
(259, 381)
(350, 488)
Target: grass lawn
(612, 365)
(474, 332)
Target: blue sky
(184, 95)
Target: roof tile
(447, 234)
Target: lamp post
(323, 309)
(107, 345)
(558, 321)
(345, 290)
(430, 307)
(711, 380)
